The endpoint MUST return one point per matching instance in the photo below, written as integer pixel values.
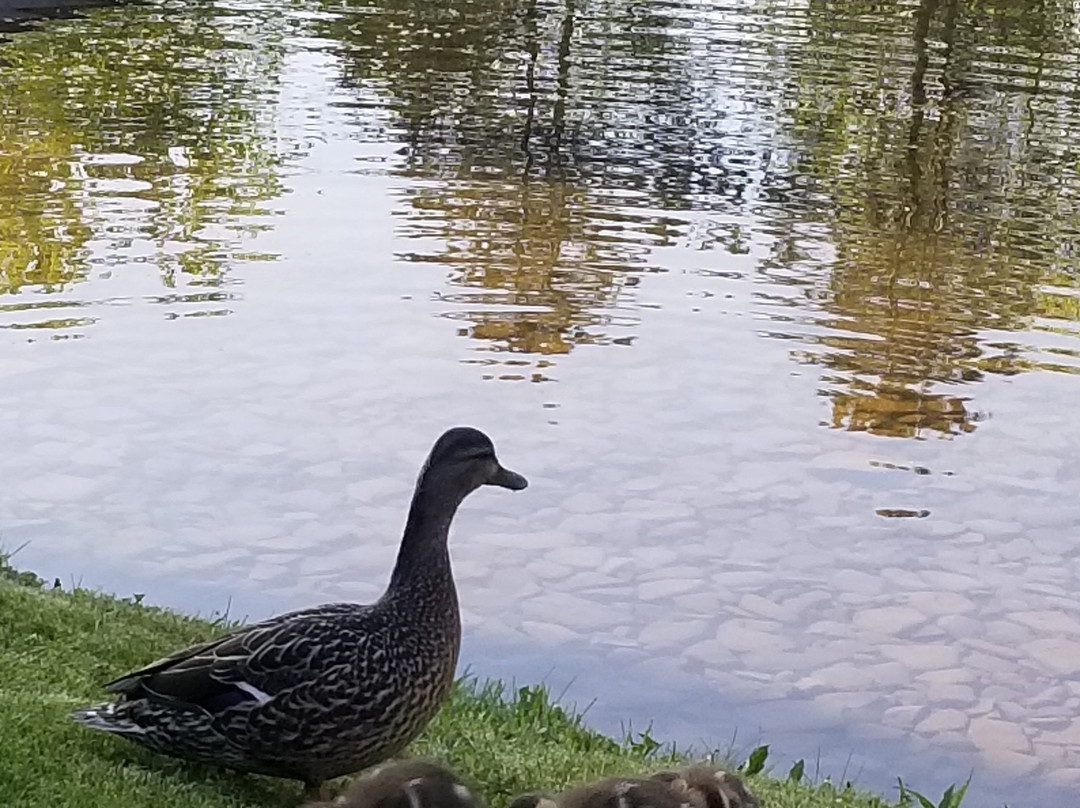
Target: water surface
(776, 305)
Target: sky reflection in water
(775, 305)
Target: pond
(776, 304)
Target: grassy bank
(57, 647)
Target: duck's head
(411, 784)
(438, 791)
(467, 457)
(706, 786)
(533, 801)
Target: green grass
(57, 647)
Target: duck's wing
(251, 664)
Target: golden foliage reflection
(127, 135)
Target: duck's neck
(423, 555)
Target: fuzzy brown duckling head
(533, 801)
(406, 784)
(704, 786)
(612, 792)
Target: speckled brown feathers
(369, 685)
(706, 786)
(612, 792)
(697, 786)
(326, 691)
(407, 784)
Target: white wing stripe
(250, 689)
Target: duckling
(406, 784)
(612, 792)
(704, 786)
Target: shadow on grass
(134, 762)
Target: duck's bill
(508, 479)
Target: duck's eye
(478, 454)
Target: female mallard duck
(611, 792)
(406, 784)
(704, 786)
(326, 691)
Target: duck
(706, 786)
(406, 784)
(318, 693)
(611, 792)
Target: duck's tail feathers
(108, 717)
